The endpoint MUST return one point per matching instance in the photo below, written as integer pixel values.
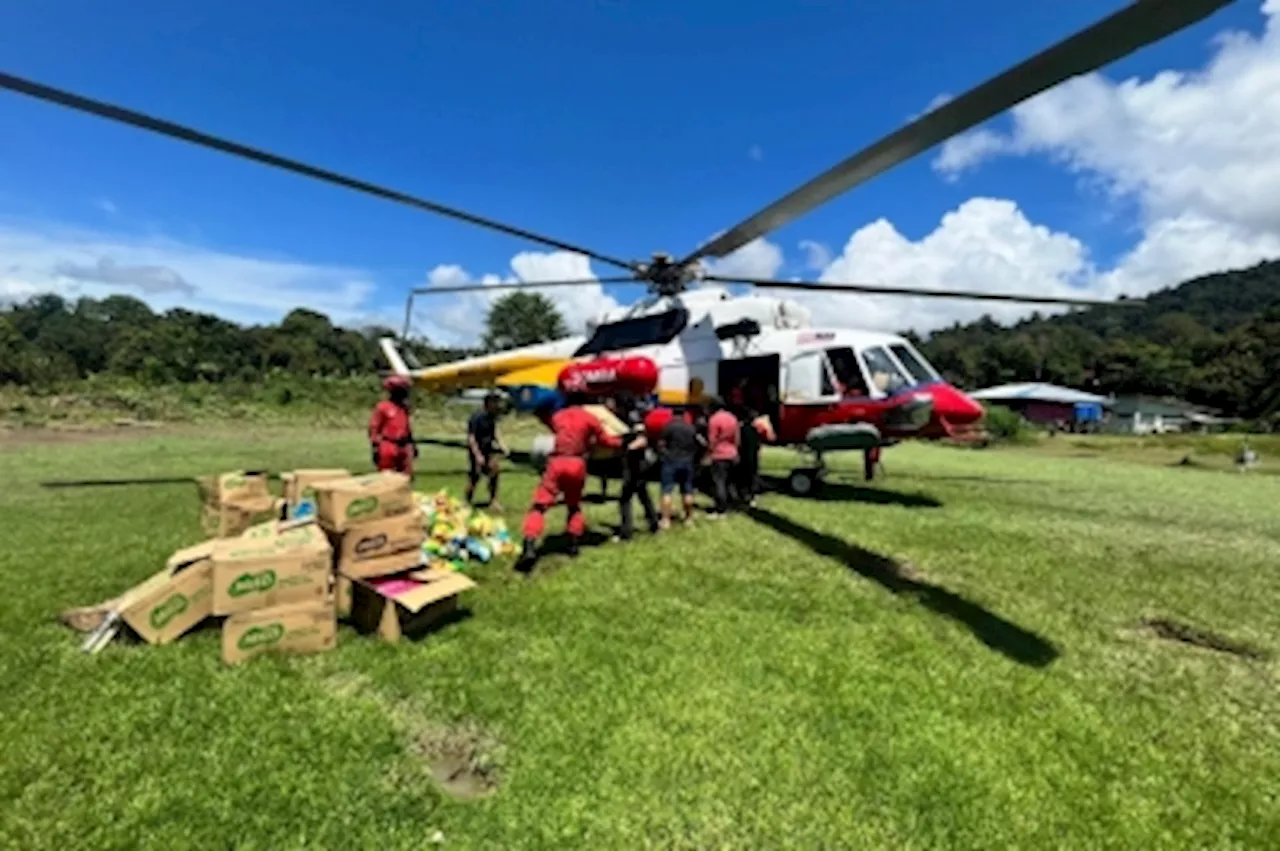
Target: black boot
(573, 548)
(528, 556)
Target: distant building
(1139, 415)
(1048, 404)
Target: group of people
(722, 438)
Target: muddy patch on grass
(1168, 629)
(462, 759)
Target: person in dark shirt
(679, 448)
(484, 447)
(635, 468)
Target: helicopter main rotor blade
(925, 293)
(522, 285)
(196, 137)
(1137, 25)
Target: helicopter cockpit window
(913, 363)
(844, 365)
(655, 330)
(885, 374)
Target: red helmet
(396, 382)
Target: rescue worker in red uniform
(390, 432)
(576, 432)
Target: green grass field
(950, 659)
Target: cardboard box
(231, 519)
(379, 538)
(292, 628)
(174, 600)
(273, 528)
(344, 503)
(232, 486)
(342, 596)
(386, 565)
(290, 567)
(406, 605)
(612, 425)
(299, 484)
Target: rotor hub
(666, 276)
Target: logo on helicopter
(579, 380)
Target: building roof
(1036, 392)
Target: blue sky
(624, 126)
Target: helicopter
(825, 389)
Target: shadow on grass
(1004, 637)
(834, 491)
(984, 480)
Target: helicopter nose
(956, 407)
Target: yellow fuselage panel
(451, 376)
(542, 375)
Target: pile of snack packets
(458, 534)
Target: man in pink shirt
(722, 447)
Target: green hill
(1213, 340)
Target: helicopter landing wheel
(805, 481)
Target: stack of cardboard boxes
(281, 585)
(232, 502)
(376, 529)
(274, 586)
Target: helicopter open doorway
(756, 379)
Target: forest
(1213, 341)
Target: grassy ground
(946, 660)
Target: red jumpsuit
(391, 436)
(575, 432)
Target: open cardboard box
(406, 605)
(173, 601)
(299, 489)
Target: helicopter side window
(886, 375)
(848, 374)
(655, 330)
(914, 364)
(809, 379)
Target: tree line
(48, 340)
(1213, 341)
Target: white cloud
(817, 255)
(72, 262)
(985, 245)
(755, 153)
(1200, 143)
(107, 206)
(759, 258)
(1195, 151)
(458, 318)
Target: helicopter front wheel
(805, 481)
